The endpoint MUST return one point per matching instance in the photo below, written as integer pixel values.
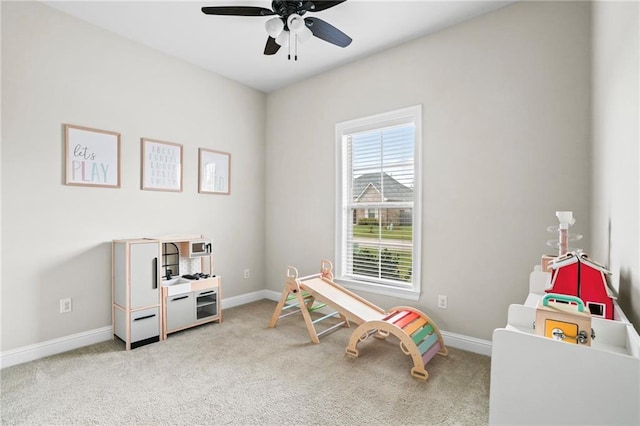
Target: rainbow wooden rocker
(419, 336)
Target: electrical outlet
(65, 305)
(442, 302)
(247, 273)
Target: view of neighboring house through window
(378, 221)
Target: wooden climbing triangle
(300, 295)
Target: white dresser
(541, 381)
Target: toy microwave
(197, 248)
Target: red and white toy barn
(575, 274)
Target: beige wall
(56, 238)
(506, 109)
(506, 103)
(616, 117)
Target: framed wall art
(161, 165)
(92, 157)
(214, 172)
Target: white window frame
(388, 119)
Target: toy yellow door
(560, 330)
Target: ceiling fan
(290, 22)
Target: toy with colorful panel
(564, 318)
(419, 337)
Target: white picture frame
(92, 157)
(161, 165)
(214, 172)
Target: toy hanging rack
(566, 220)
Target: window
(378, 203)
(597, 309)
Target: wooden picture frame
(214, 172)
(161, 165)
(92, 157)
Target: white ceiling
(232, 46)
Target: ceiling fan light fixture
(274, 27)
(283, 39)
(287, 19)
(296, 23)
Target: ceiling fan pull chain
(289, 46)
(296, 47)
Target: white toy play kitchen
(162, 285)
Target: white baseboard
(458, 341)
(272, 295)
(467, 343)
(78, 340)
(243, 299)
(54, 346)
(75, 341)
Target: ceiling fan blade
(271, 48)
(237, 10)
(317, 6)
(327, 32)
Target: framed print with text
(92, 157)
(161, 165)
(214, 172)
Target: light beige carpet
(243, 373)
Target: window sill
(402, 293)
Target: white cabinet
(136, 293)
(144, 274)
(537, 380)
(180, 311)
(197, 302)
(144, 324)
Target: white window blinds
(378, 198)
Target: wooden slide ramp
(419, 337)
(352, 306)
(302, 294)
